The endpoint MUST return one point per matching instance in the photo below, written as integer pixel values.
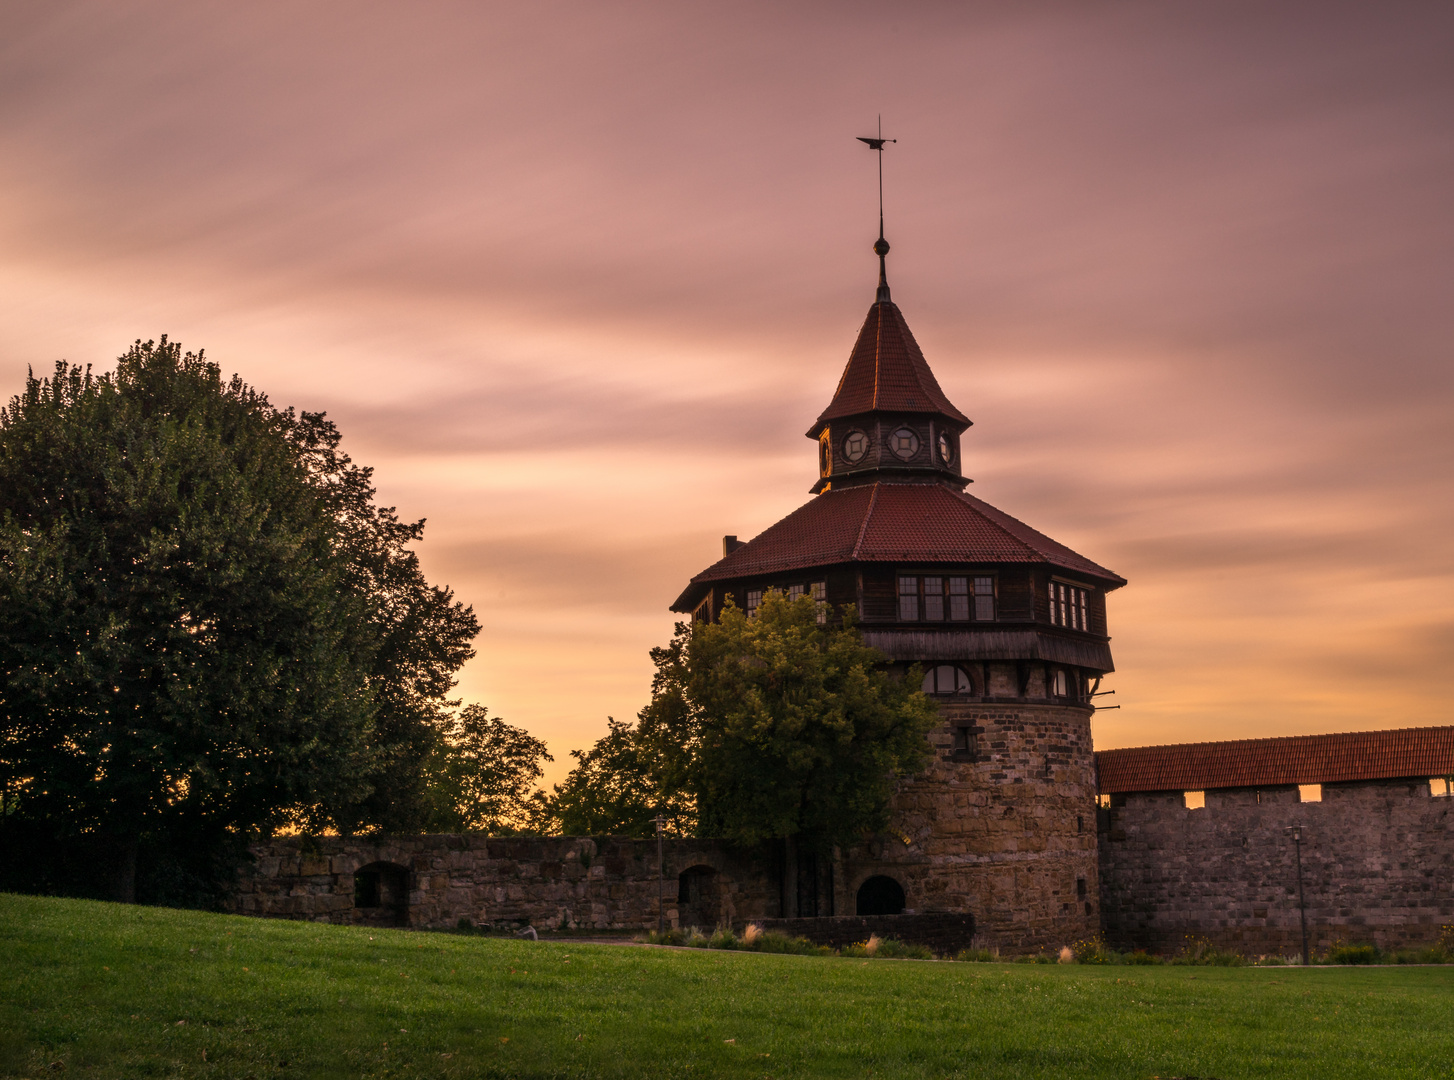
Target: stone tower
(1009, 625)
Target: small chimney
(729, 545)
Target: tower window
(947, 679)
(933, 599)
(754, 601)
(984, 598)
(958, 599)
(904, 443)
(1059, 684)
(1068, 606)
(855, 446)
(963, 747)
(908, 599)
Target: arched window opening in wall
(880, 895)
(381, 894)
(1059, 683)
(947, 679)
(697, 902)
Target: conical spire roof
(887, 371)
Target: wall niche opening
(381, 894)
(880, 895)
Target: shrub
(723, 938)
(770, 941)
(1200, 952)
(1353, 954)
(899, 950)
(978, 956)
(1092, 950)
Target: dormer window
(1068, 606)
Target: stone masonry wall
(558, 882)
(1008, 837)
(1378, 867)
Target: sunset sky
(575, 278)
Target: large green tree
(207, 629)
(783, 727)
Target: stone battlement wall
(1377, 857)
(552, 883)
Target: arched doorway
(381, 894)
(880, 895)
(697, 897)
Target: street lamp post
(660, 822)
(1297, 843)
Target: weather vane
(881, 247)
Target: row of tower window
(936, 598)
(941, 599)
(946, 679)
(818, 590)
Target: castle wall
(1377, 857)
(550, 883)
(1008, 837)
(1005, 835)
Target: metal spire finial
(881, 246)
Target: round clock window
(855, 446)
(946, 449)
(904, 443)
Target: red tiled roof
(1297, 759)
(886, 370)
(893, 522)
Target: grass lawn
(116, 991)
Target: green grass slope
(111, 991)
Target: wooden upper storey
(890, 532)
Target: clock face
(855, 446)
(904, 443)
(946, 449)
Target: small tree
(616, 789)
(482, 777)
(779, 727)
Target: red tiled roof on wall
(1297, 759)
